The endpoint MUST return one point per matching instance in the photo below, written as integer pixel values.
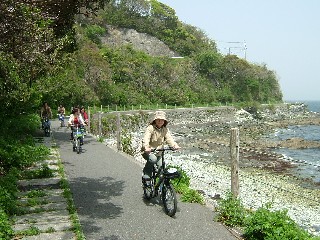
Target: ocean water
(308, 160)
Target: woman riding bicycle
(75, 119)
(155, 136)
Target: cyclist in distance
(84, 114)
(61, 110)
(156, 135)
(45, 112)
(75, 119)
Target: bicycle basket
(78, 133)
(171, 173)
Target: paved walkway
(106, 188)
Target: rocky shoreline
(204, 135)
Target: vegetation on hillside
(125, 76)
(45, 56)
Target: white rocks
(257, 188)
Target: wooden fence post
(100, 124)
(118, 132)
(234, 153)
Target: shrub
(231, 211)
(8, 190)
(126, 142)
(182, 186)
(6, 232)
(19, 154)
(277, 225)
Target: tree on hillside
(34, 36)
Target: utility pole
(244, 47)
(245, 50)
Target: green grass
(43, 172)
(182, 186)
(77, 228)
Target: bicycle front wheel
(169, 199)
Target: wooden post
(100, 124)
(118, 132)
(234, 153)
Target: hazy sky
(283, 34)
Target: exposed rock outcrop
(139, 41)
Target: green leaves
(260, 224)
(231, 211)
(94, 32)
(182, 186)
(6, 231)
(273, 225)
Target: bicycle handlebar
(77, 125)
(163, 149)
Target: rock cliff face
(139, 41)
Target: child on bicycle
(75, 119)
(156, 135)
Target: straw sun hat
(160, 115)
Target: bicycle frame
(160, 184)
(46, 126)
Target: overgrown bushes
(17, 151)
(262, 224)
(5, 226)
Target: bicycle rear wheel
(169, 199)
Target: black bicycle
(159, 184)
